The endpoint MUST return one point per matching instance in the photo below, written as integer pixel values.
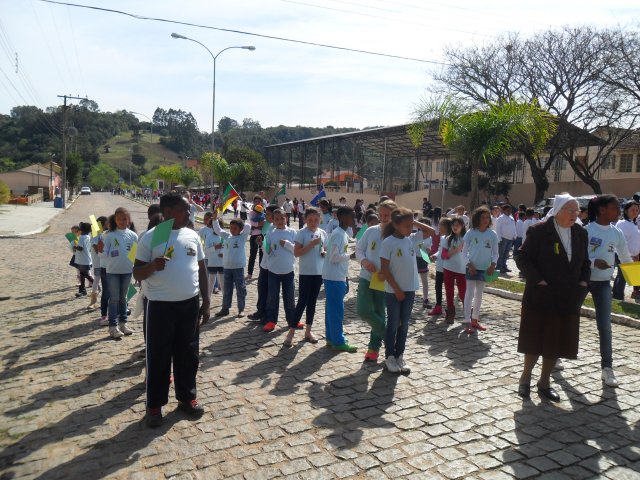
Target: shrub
(5, 193)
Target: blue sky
(121, 62)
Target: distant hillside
(120, 146)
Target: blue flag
(314, 201)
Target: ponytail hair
(398, 215)
(598, 202)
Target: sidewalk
(22, 220)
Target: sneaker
(222, 313)
(115, 332)
(255, 316)
(81, 293)
(476, 324)
(124, 328)
(437, 310)
(103, 321)
(192, 408)
(392, 365)
(468, 328)
(345, 347)
(240, 314)
(426, 303)
(371, 355)
(269, 327)
(402, 366)
(559, 366)
(153, 418)
(609, 378)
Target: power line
(241, 32)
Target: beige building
(29, 180)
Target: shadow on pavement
(587, 437)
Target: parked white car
(85, 191)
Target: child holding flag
(263, 276)
(234, 260)
(214, 255)
(170, 261)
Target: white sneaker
(402, 366)
(115, 332)
(559, 366)
(609, 378)
(125, 329)
(392, 365)
(103, 321)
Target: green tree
(75, 165)
(189, 177)
(103, 176)
(170, 174)
(5, 193)
(490, 132)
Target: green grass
(156, 154)
(617, 306)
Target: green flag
(424, 255)
(161, 233)
(282, 191)
(71, 237)
(361, 231)
(131, 292)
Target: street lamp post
(213, 103)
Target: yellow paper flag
(376, 282)
(132, 252)
(95, 228)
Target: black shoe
(81, 293)
(548, 393)
(222, 313)
(255, 316)
(524, 390)
(153, 418)
(192, 408)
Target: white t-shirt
(281, 258)
(311, 263)
(325, 219)
(117, 245)
(83, 257)
(179, 279)
(95, 256)
(368, 247)
(214, 256)
(336, 264)
(234, 251)
(455, 263)
(401, 253)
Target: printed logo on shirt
(373, 245)
(399, 253)
(116, 243)
(611, 248)
(115, 253)
(595, 243)
(235, 245)
(413, 252)
(191, 252)
(487, 244)
(345, 248)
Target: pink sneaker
(437, 310)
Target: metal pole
(384, 166)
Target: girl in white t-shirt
(399, 269)
(454, 266)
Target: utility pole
(63, 190)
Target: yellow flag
(376, 282)
(132, 252)
(95, 227)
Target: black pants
(288, 219)
(253, 251)
(85, 274)
(263, 292)
(308, 291)
(439, 282)
(172, 334)
(104, 296)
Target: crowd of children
(394, 250)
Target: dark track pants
(172, 334)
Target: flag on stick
(161, 233)
(228, 196)
(314, 201)
(282, 191)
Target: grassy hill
(120, 146)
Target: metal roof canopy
(396, 139)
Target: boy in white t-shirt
(174, 313)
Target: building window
(626, 162)
(518, 172)
(609, 162)
(439, 166)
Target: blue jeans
(517, 244)
(503, 249)
(601, 293)
(118, 288)
(619, 283)
(334, 311)
(288, 298)
(398, 315)
(233, 277)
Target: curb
(584, 311)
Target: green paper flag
(161, 233)
(131, 292)
(282, 191)
(265, 228)
(493, 277)
(361, 231)
(71, 237)
(424, 255)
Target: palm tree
(482, 135)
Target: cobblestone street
(72, 399)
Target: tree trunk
(475, 170)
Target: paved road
(72, 399)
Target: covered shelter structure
(386, 155)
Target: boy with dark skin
(174, 316)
